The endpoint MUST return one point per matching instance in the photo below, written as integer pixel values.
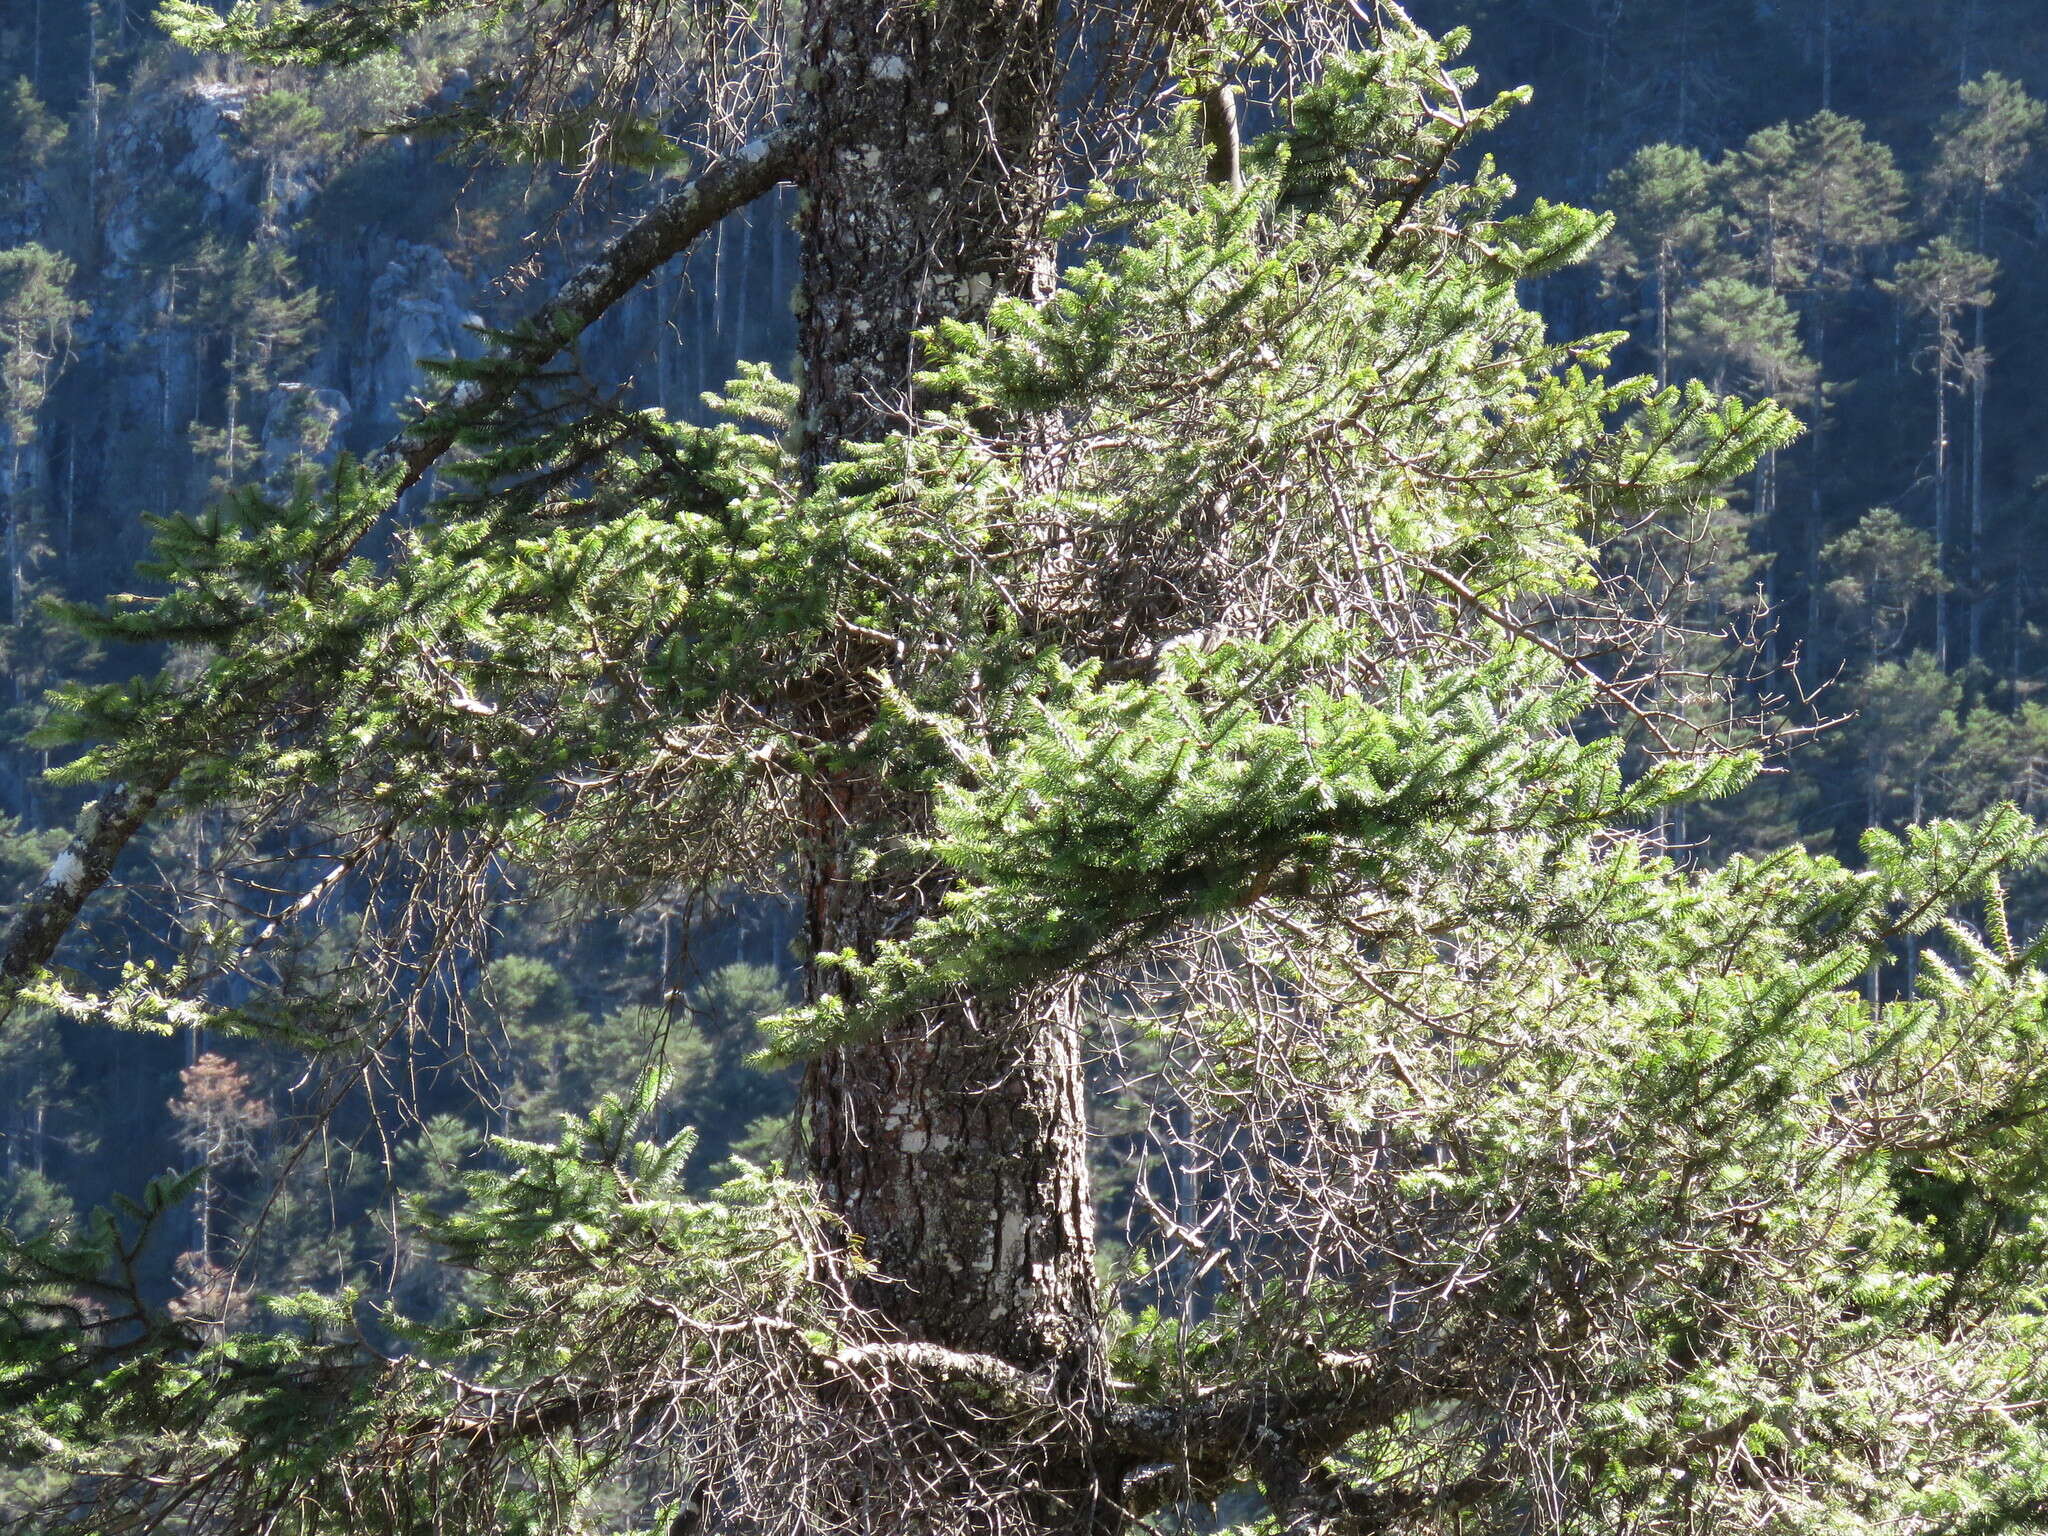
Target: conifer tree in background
(1813, 201)
(1980, 148)
(1207, 645)
(218, 1119)
(37, 317)
(1741, 336)
(288, 131)
(1665, 220)
(1881, 571)
(1938, 284)
(254, 308)
(34, 1066)
(1983, 157)
(1905, 707)
(30, 137)
(1907, 722)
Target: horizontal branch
(1199, 1448)
(1005, 1385)
(49, 910)
(526, 1413)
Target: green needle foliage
(1238, 615)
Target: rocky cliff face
(177, 136)
(176, 161)
(197, 225)
(417, 307)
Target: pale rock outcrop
(415, 309)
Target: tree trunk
(1664, 314)
(1941, 491)
(1977, 383)
(1827, 55)
(1818, 432)
(234, 398)
(926, 196)
(954, 1146)
(1977, 514)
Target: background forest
(211, 274)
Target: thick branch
(1196, 1449)
(992, 1383)
(1000, 1383)
(49, 910)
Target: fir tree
(1881, 571)
(1981, 145)
(1215, 638)
(1907, 723)
(217, 1119)
(1813, 202)
(30, 138)
(288, 131)
(1743, 336)
(255, 310)
(37, 314)
(37, 317)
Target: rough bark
(953, 1147)
(926, 193)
